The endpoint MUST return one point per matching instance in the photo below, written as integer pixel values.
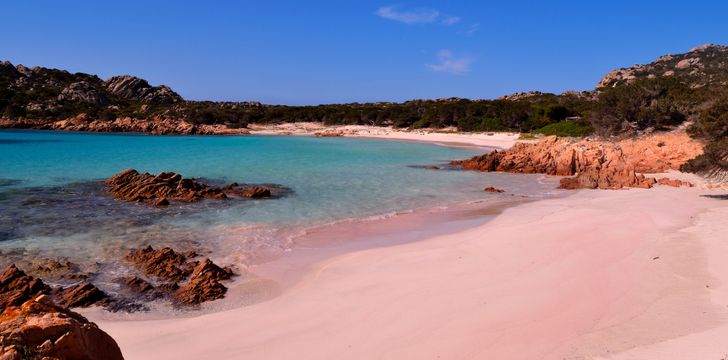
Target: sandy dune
(598, 274)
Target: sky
(312, 52)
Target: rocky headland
(594, 164)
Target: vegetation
(566, 128)
(633, 101)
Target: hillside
(702, 66)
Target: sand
(443, 136)
(633, 274)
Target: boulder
(39, 329)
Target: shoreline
(484, 141)
(269, 274)
(599, 312)
(443, 283)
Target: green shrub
(566, 128)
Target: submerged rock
(60, 270)
(491, 189)
(248, 191)
(39, 329)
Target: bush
(566, 128)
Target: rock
(138, 284)
(491, 189)
(133, 88)
(39, 329)
(165, 263)
(16, 287)
(674, 182)
(57, 270)
(253, 192)
(161, 202)
(83, 91)
(256, 192)
(200, 279)
(155, 190)
(81, 295)
(204, 284)
(329, 133)
(596, 164)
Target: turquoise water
(53, 204)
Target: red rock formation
(16, 287)
(40, 329)
(491, 189)
(158, 190)
(674, 182)
(81, 295)
(130, 185)
(138, 284)
(155, 125)
(200, 279)
(204, 284)
(596, 164)
(164, 263)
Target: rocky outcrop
(491, 189)
(39, 329)
(185, 280)
(204, 284)
(133, 88)
(165, 263)
(130, 185)
(83, 91)
(596, 164)
(81, 295)
(160, 189)
(701, 66)
(16, 287)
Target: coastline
(598, 290)
(422, 285)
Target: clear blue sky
(310, 52)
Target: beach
(449, 137)
(590, 275)
(625, 274)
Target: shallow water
(53, 204)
